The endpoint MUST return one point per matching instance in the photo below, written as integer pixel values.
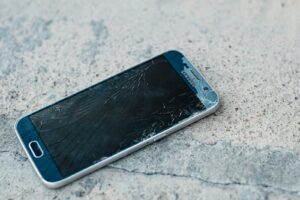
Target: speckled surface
(248, 50)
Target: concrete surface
(248, 50)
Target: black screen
(114, 115)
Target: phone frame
(26, 133)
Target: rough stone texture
(248, 50)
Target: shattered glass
(115, 114)
(204, 91)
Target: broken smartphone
(113, 118)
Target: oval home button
(36, 149)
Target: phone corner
(217, 102)
(52, 184)
(61, 181)
(173, 52)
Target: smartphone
(115, 117)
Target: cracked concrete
(220, 163)
(248, 50)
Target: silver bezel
(123, 153)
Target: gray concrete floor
(248, 50)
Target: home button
(36, 149)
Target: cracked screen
(115, 114)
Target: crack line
(264, 186)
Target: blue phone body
(46, 167)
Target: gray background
(248, 50)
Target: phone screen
(115, 114)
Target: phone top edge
(193, 78)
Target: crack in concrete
(268, 188)
(224, 163)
